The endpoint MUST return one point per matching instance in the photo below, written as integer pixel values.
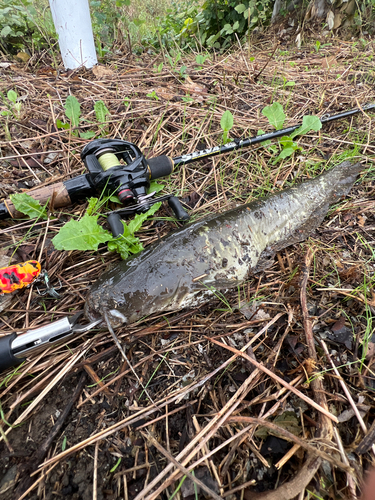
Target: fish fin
(266, 258)
(305, 229)
(219, 284)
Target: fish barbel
(186, 267)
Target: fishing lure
(185, 268)
(18, 276)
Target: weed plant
(156, 25)
(26, 25)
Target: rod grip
(160, 166)
(6, 357)
(43, 194)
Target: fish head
(100, 305)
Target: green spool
(108, 160)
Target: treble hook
(50, 290)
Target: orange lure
(18, 276)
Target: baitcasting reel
(120, 168)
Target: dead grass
(215, 406)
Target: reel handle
(179, 211)
(115, 221)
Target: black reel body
(129, 180)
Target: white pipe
(73, 25)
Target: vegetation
(25, 25)
(219, 21)
(165, 25)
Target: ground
(76, 423)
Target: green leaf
(101, 111)
(87, 135)
(287, 141)
(275, 115)
(227, 30)
(153, 95)
(84, 234)
(288, 151)
(235, 26)
(60, 124)
(115, 199)
(135, 224)
(125, 244)
(226, 121)
(308, 123)
(12, 96)
(212, 40)
(27, 205)
(93, 202)
(5, 31)
(115, 466)
(290, 84)
(240, 8)
(73, 110)
(155, 187)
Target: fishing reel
(119, 167)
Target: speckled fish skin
(184, 268)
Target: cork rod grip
(43, 194)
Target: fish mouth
(92, 314)
(116, 316)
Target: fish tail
(343, 176)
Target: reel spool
(130, 180)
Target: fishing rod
(244, 143)
(119, 167)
